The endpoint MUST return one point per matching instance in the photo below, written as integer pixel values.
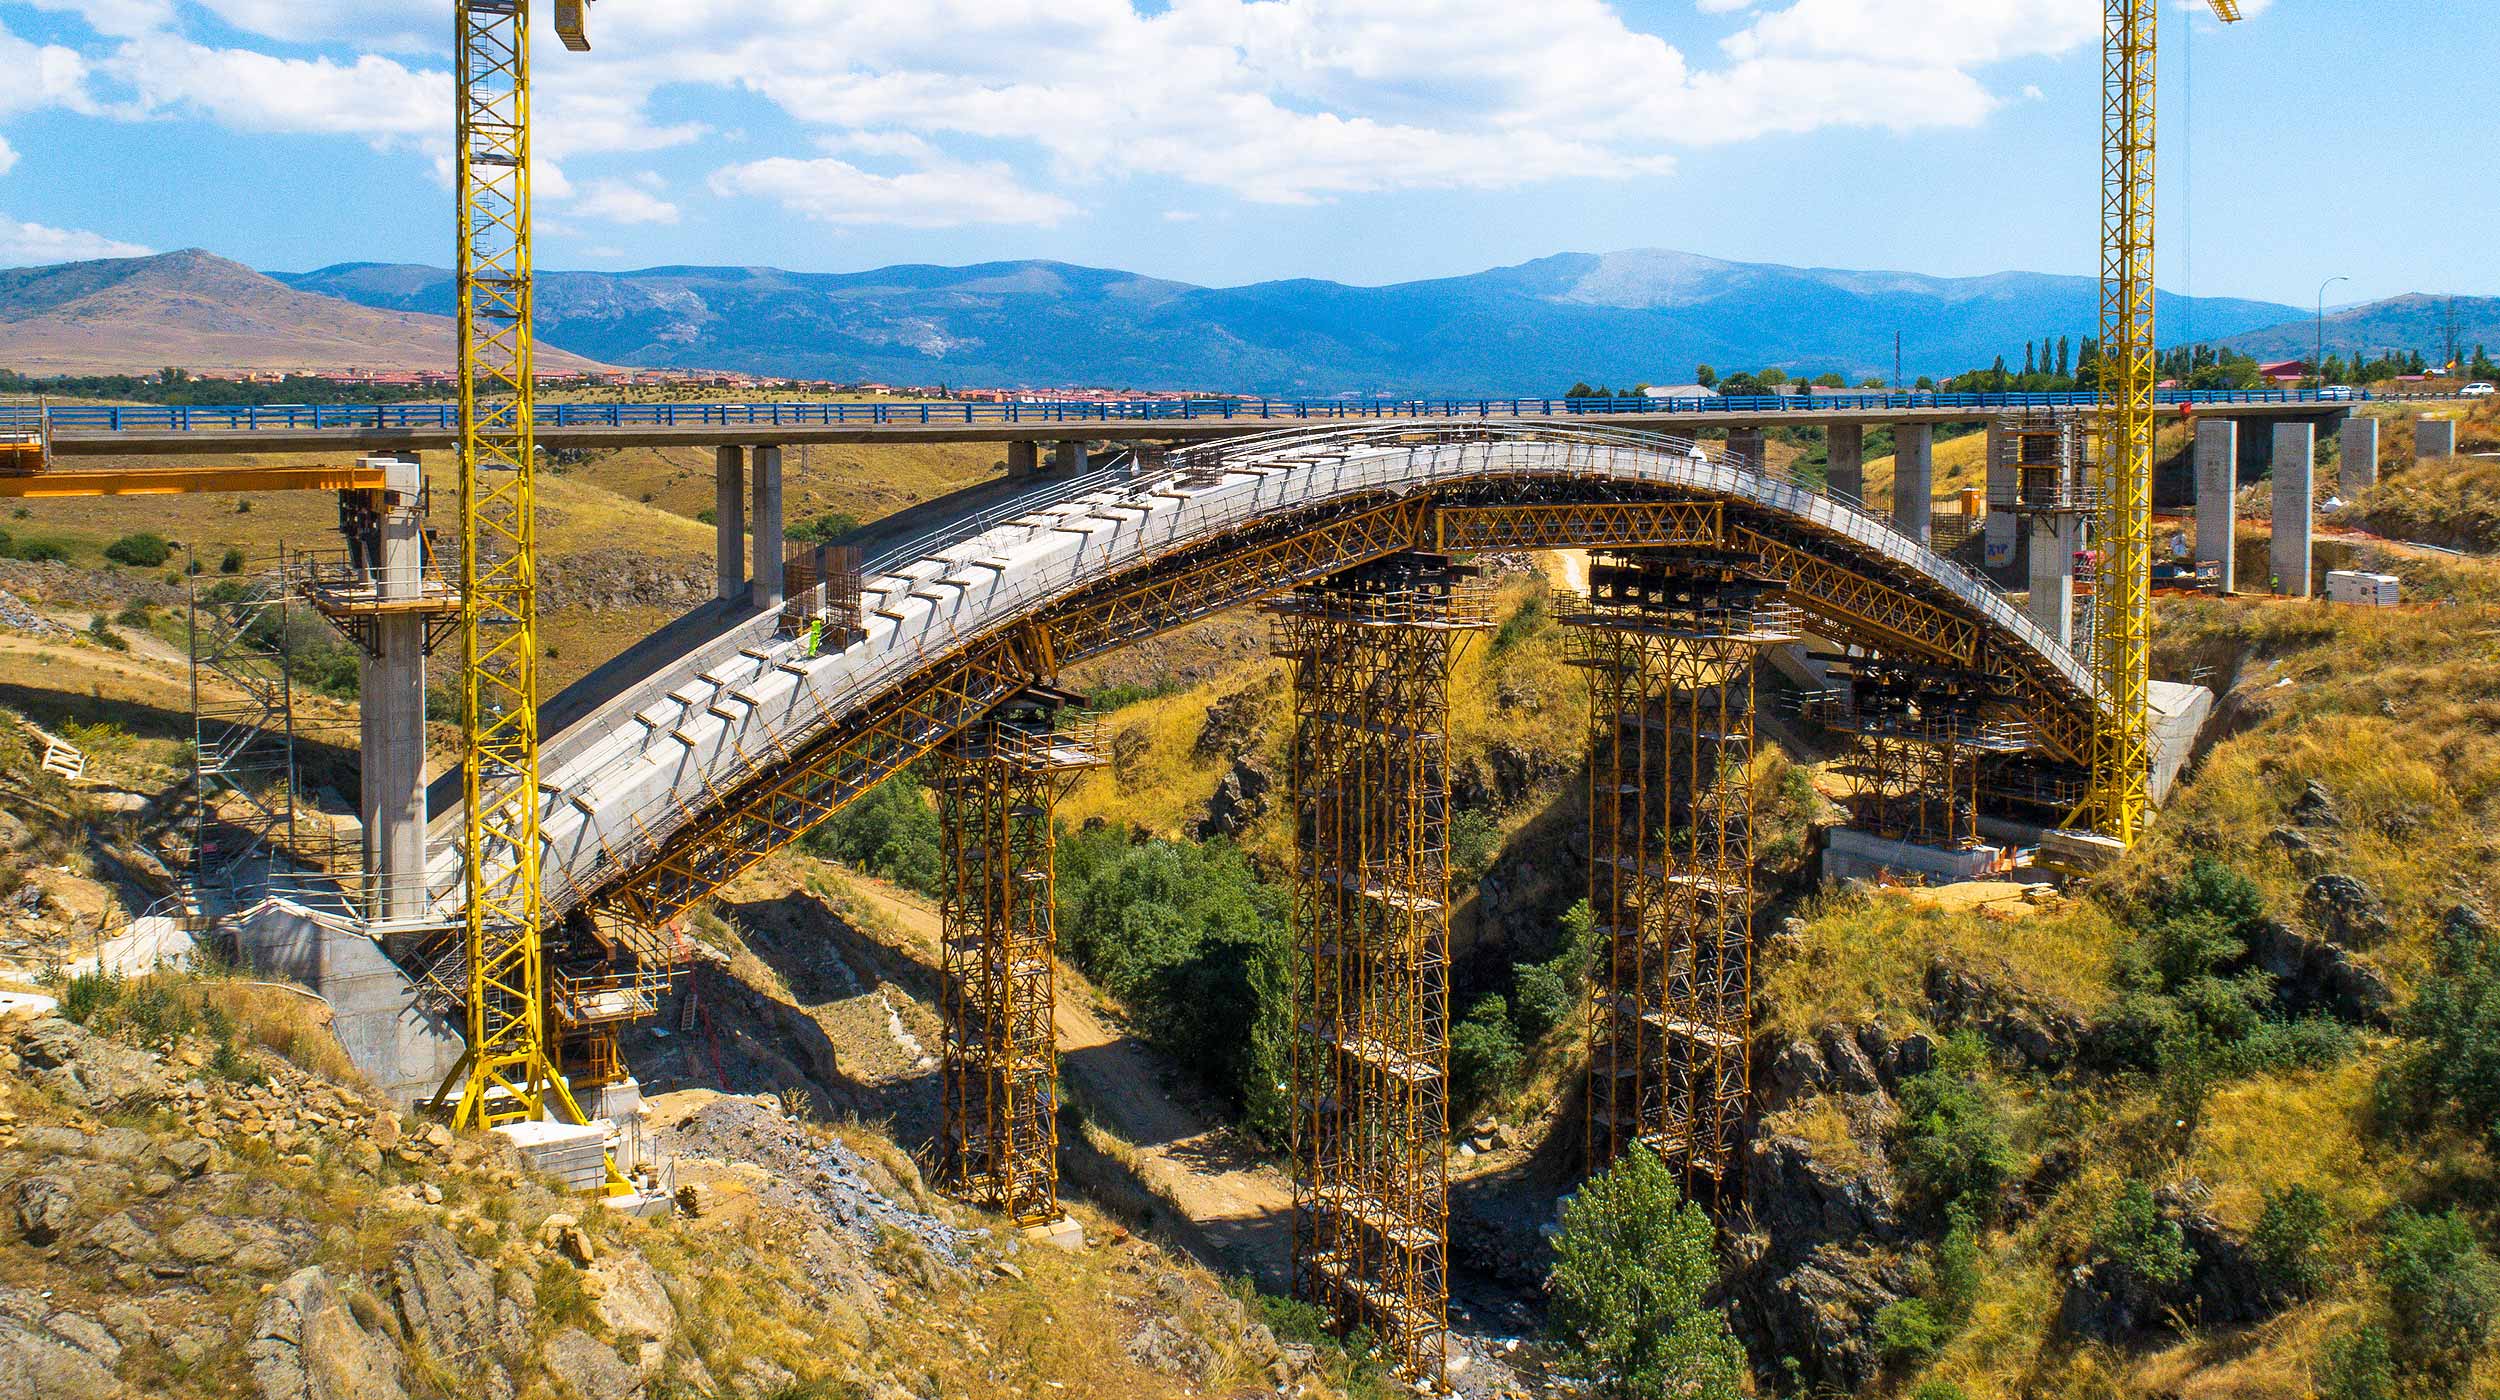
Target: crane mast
(2122, 617)
(509, 1073)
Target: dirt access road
(1242, 1207)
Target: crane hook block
(571, 15)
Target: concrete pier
(391, 704)
(729, 522)
(2004, 483)
(2357, 440)
(1023, 459)
(1746, 446)
(2052, 605)
(767, 527)
(2295, 460)
(1914, 480)
(1845, 451)
(1069, 459)
(2217, 495)
(2434, 437)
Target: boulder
(633, 1302)
(445, 1298)
(1162, 1345)
(1800, 1197)
(2045, 1035)
(44, 1206)
(1822, 1312)
(306, 1345)
(49, 1353)
(590, 1367)
(1238, 801)
(2316, 808)
(2312, 975)
(87, 1070)
(2346, 910)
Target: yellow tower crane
(2122, 621)
(510, 1072)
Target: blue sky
(1227, 141)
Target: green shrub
(1540, 997)
(1634, 1268)
(35, 551)
(1484, 1054)
(1951, 1141)
(144, 550)
(2290, 1242)
(231, 562)
(2443, 1289)
(1475, 839)
(1913, 1329)
(2450, 1071)
(134, 615)
(1907, 1330)
(2138, 1249)
(2358, 1367)
(88, 994)
(1939, 1390)
(102, 632)
(824, 528)
(1521, 625)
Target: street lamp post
(2317, 367)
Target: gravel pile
(826, 1177)
(15, 614)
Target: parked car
(2336, 391)
(2479, 389)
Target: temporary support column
(2295, 461)
(390, 702)
(1746, 446)
(1669, 640)
(2357, 441)
(998, 784)
(768, 590)
(2434, 438)
(2052, 605)
(729, 522)
(1844, 453)
(1914, 480)
(2217, 499)
(1370, 792)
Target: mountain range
(1643, 316)
(208, 315)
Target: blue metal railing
(443, 417)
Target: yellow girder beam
(181, 481)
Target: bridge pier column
(729, 522)
(1914, 480)
(2357, 443)
(1369, 787)
(1670, 648)
(2295, 462)
(1844, 453)
(1023, 460)
(2433, 438)
(2004, 492)
(998, 783)
(2052, 606)
(2217, 498)
(391, 704)
(1746, 446)
(768, 560)
(1069, 458)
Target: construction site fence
(444, 417)
(1438, 454)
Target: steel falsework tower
(509, 1072)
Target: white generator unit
(2367, 590)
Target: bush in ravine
(2138, 1253)
(1951, 1142)
(2443, 1289)
(1484, 1054)
(1634, 1267)
(144, 550)
(2358, 1367)
(2289, 1242)
(2450, 1071)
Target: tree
(1633, 1271)
(2030, 365)
(2443, 1289)
(1830, 381)
(1484, 1053)
(1705, 376)
(2065, 348)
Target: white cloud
(837, 192)
(2033, 93)
(623, 202)
(8, 156)
(23, 245)
(117, 17)
(40, 75)
(390, 25)
(372, 97)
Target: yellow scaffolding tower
(2122, 616)
(508, 1073)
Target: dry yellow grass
(1869, 953)
(2279, 1130)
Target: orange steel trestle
(1669, 639)
(998, 783)
(1369, 789)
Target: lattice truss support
(243, 732)
(1368, 783)
(998, 783)
(1920, 735)
(1669, 639)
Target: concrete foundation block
(2434, 438)
(2295, 464)
(2217, 496)
(1862, 855)
(2357, 441)
(404, 1049)
(575, 1154)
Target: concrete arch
(745, 744)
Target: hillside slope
(203, 313)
